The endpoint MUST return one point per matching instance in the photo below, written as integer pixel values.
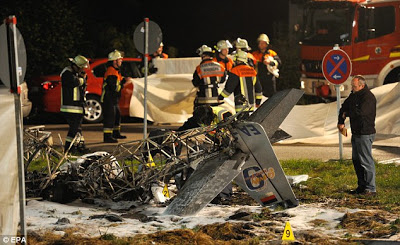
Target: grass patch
(334, 179)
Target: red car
(51, 88)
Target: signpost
(147, 38)
(336, 68)
(12, 73)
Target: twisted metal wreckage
(238, 149)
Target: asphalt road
(386, 149)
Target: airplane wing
(209, 179)
(262, 176)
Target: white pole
(146, 69)
(337, 87)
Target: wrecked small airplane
(238, 149)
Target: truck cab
(368, 31)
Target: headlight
(302, 85)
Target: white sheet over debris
(316, 124)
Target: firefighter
(266, 57)
(221, 56)
(206, 78)
(243, 82)
(242, 44)
(159, 53)
(112, 86)
(73, 88)
(205, 115)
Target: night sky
(187, 25)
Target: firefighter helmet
(241, 56)
(204, 49)
(80, 61)
(242, 44)
(263, 37)
(223, 44)
(114, 55)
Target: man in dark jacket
(360, 106)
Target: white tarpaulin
(169, 98)
(176, 65)
(170, 92)
(9, 198)
(316, 124)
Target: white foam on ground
(42, 216)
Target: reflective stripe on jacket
(73, 90)
(206, 78)
(112, 85)
(243, 80)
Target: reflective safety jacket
(226, 63)
(112, 85)
(206, 78)
(73, 88)
(260, 57)
(243, 80)
(220, 113)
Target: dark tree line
(54, 30)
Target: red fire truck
(367, 30)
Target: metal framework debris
(132, 170)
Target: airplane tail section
(262, 175)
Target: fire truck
(368, 31)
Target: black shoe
(368, 193)
(110, 139)
(83, 149)
(118, 136)
(357, 191)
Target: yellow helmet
(263, 37)
(204, 49)
(80, 61)
(223, 44)
(242, 44)
(241, 56)
(114, 55)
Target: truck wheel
(93, 109)
(393, 76)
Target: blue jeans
(363, 162)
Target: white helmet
(242, 44)
(263, 37)
(80, 61)
(204, 49)
(223, 44)
(161, 44)
(241, 56)
(114, 55)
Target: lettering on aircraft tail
(256, 179)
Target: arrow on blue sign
(336, 66)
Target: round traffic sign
(336, 66)
(155, 37)
(4, 59)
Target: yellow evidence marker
(166, 191)
(288, 233)
(150, 161)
